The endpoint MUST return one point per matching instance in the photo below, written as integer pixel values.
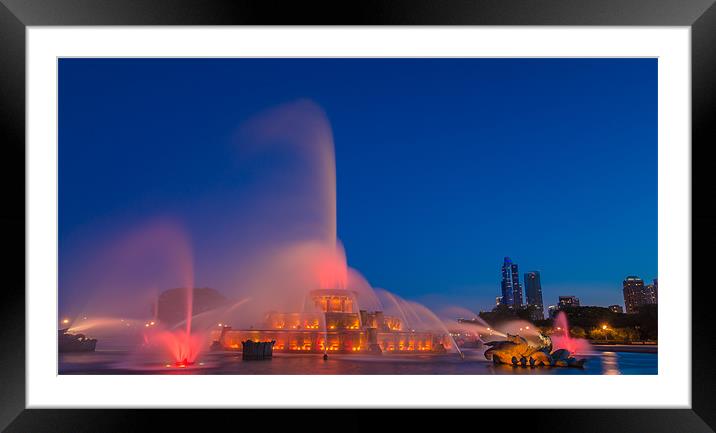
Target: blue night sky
(444, 166)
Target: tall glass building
(511, 286)
(533, 290)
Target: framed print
(471, 208)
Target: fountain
(181, 343)
(517, 351)
(290, 285)
(119, 303)
(531, 347)
(561, 339)
(332, 320)
(467, 328)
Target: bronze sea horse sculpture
(516, 350)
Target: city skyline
(632, 297)
(425, 150)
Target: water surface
(125, 362)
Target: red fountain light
(331, 270)
(565, 341)
(182, 346)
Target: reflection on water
(119, 362)
(610, 363)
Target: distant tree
(527, 312)
(543, 324)
(626, 334)
(597, 334)
(589, 317)
(577, 332)
(648, 318)
(499, 314)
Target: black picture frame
(16, 15)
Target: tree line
(588, 322)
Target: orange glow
(344, 335)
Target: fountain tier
(330, 323)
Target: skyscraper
(533, 290)
(651, 294)
(633, 293)
(511, 286)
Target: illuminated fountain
(299, 290)
(285, 274)
(181, 343)
(524, 345)
(561, 338)
(516, 350)
(466, 327)
(119, 281)
(333, 322)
